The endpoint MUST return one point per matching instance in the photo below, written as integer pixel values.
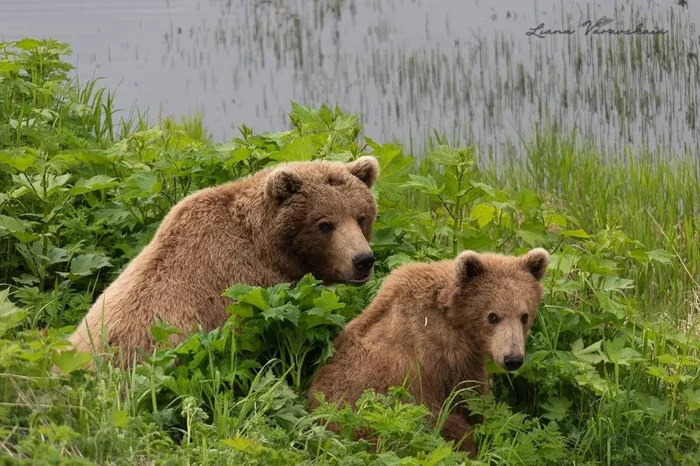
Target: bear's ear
(469, 266)
(366, 168)
(536, 262)
(281, 183)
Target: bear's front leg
(458, 429)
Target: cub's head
(324, 216)
(495, 298)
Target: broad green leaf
(345, 156)
(693, 397)
(328, 302)
(139, 185)
(556, 408)
(445, 155)
(574, 233)
(243, 310)
(532, 238)
(120, 418)
(563, 262)
(555, 219)
(651, 404)
(659, 255)
(86, 264)
(667, 359)
(243, 444)
(614, 283)
(237, 290)
(11, 224)
(440, 455)
(162, 332)
(256, 297)
(485, 188)
(19, 162)
(347, 123)
(42, 187)
(300, 149)
(190, 345)
(28, 44)
(325, 114)
(287, 312)
(8, 65)
(590, 355)
(590, 378)
(57, 255)
(483, 214)
(225, 147)
(71, 360)
(425, 184)
(306, 114)
(639, 254)
(528, 200)
(238, 155)
(95, 183)
(657, 371)
(618, 353)
(56, 182)
(10, 315)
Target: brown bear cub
(432, 325)
(274, 226)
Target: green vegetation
(613, 370)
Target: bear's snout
(513, 361)
(363, 264)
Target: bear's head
(495, 298)
(324, 216)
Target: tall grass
(655, 201)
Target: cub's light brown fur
(431, 324)
(260, 230)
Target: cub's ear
(282, 182)
(366, 168)
(536, 262)
(469, 266)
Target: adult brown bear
(274, 226)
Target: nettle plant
(294, 325)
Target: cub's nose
(513, 362)
(363, 263)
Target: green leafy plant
(612, 373)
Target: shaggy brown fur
(432, 325)
(272, 227)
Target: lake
(468, 69)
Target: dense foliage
(607, 378)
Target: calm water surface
(465, 68)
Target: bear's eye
(361, 221)
(493, 318)
(326, 227)
(524, 318)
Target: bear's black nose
(363, 263)
(513, 361)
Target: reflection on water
(467, 69)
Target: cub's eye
(493, 318)
(361, 221)
(326, 227)
(524, 318)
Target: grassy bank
(612, 375)
(653, 202)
